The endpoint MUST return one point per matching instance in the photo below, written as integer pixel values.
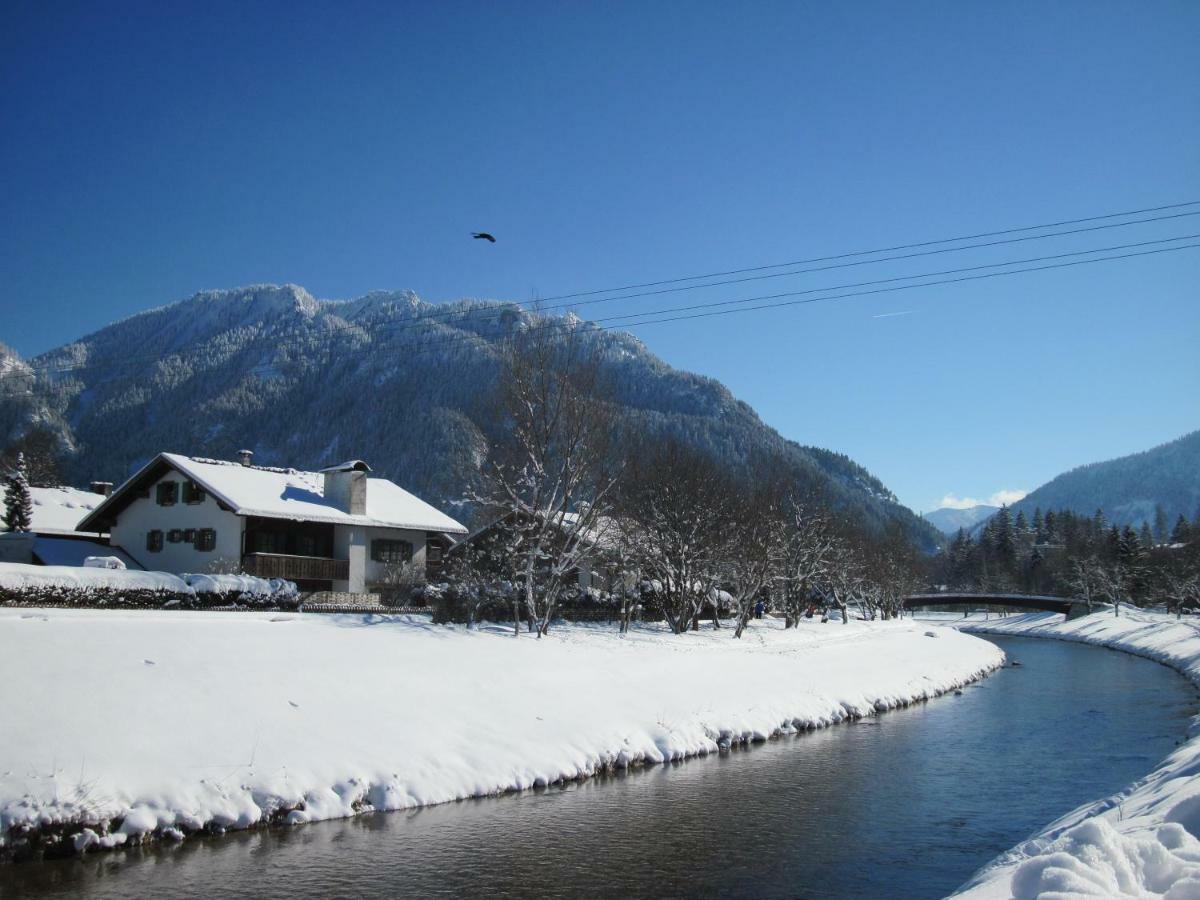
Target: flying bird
(483, 236)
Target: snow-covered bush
(241, 590)
(27, 585)
(92, 586)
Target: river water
(906, 805)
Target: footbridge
(1070, 607)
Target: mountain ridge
(1128, 488)
(385, 376)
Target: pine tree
(1182, 532)
(1128, 547)
(1052, 535)
(1145, 537)
(1160, 523)
(18, 502)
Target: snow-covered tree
(755, 549)
(677, 503)
(18, 501)
(549, 477)
(808, 553)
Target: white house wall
(354, 544)
(144, 515)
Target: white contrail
(907, 312)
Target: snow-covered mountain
(385, 377)
(949, 521)
(1129, 488)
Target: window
(166, 493)
(391, 551)
(154, 541)
(306, 545)
(433, 550)
(174, 536)
(192, 492)
(189, 536)
(206, 540)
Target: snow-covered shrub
(241, 590)
(27, 585)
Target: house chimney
(346, 486)
(101, 487)
(244, 456)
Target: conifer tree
(1145, 537)
(1160, 523)
(18, 502)
(1182, 531)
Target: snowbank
(1141, 842)
(159, 723)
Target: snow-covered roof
(57, 510)
(276, 493)
(60, 551)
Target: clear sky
(149, 151)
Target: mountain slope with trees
(386, 377)
(1159, 484)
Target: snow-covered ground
(171, 721)
(1141, 842)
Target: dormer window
(166, 493)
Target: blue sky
(150, 151)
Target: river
(906, 805)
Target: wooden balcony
(304, 568)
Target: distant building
(54, 539)
(333, 530)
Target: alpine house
(334, 530)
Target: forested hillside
(1157, 484)
(386, 377)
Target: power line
(867, 262)
(906, 287)
(838, 287)
(816, 259)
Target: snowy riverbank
(1141, 842)
(161, 723)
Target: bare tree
(1084, 578)
(807, 556)
(1112, 581)
(550, 478)
(677, 503)
(754, 549)
(1180, 588)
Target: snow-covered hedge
(242, 590)
(87, 586)
(27, 585)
